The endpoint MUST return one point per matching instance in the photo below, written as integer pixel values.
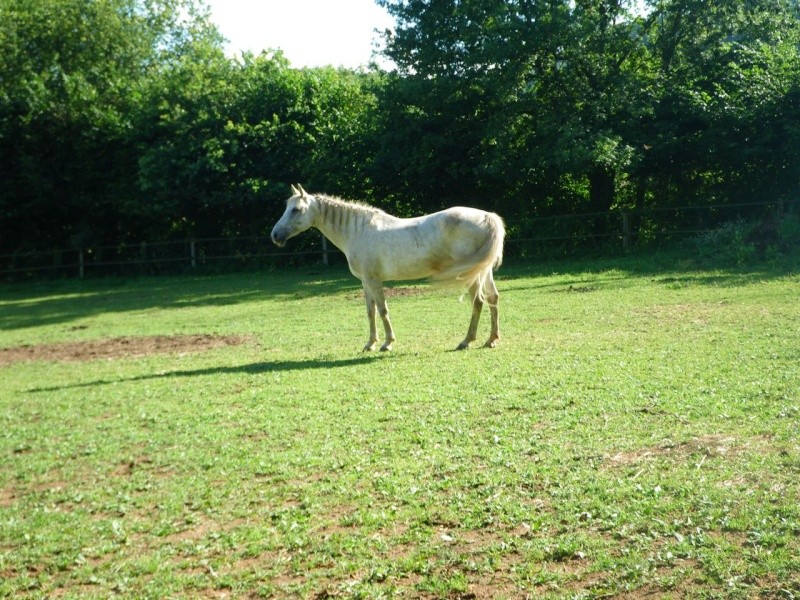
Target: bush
(789, 232)
(727, 245)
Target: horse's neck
(340, 222)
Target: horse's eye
(295, 211)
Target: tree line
(124, 120)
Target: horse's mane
(361, 207)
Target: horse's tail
(477, 268)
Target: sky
(311, 33)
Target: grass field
(635, 435)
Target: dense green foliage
(590, 104)
(123, 120)
(633, 436)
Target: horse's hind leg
(477, 306)
(493, 298)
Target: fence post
(626, 230)
(324, 251)
(80, 264)
(193, 254)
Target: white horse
(461, 245)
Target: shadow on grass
(257, 368)
(62, 302)
(666, 268)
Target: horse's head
(296, 218)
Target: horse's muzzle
(278, 239)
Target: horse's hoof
(386, 348)
(491, 343)
(462, 346)
(369, 347)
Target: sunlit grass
(635, 430)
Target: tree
(123, 120)
(587, 90)
(227, 137)
(721, 128)
(542, 86)
(586, 105)
(73, 74)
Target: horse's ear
(303, 193)
(295, 191)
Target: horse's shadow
(255, 368)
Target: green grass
(635, 434)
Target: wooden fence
(612, 231)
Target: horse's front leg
(374, 289)
(373, 330)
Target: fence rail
(615, 230)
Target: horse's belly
(408, 264)
(392, 266)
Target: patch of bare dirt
(6, 498)
(122, 347)
(708, 446)
(198, 532)
(400, 291)
(126, 469)
(396, 292)
(695, 314)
